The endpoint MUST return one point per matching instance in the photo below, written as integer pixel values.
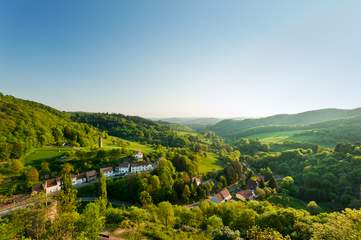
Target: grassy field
(210, 163)
(135, 146)
(275, 137)
(46, 153)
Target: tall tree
(67, 196)
(103, 191)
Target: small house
(122, 169)
(108, 171)
(196, 181)
(245, 195)
(138, 155)
(78, 179)
(222, 196)
(141, 167)
(91, 176)
(52, 185)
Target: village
(240, 193)
(54, 185)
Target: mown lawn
(45, 153)
(135, 146)
(210, 163)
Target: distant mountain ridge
(231, 127)
(194, 123)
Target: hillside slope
(229, 128)
(194, 123)
(26, 124)
(137, 129)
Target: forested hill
(137, 128)
(237, 127)
(194, 123)
(26, 124)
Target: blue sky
(182, 58)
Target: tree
(265, 234)
(32, 176)
(288, 185)
(345, 225)
(67, 168)
(166, 213)
(186, 193)
(45, 168)
(91, 221)
(145, 198)
(17, 166)
(245, 220)
(67, 196)
(103, 190)
(313, 207)
(260, 193)
(213, 224)
(64, 226)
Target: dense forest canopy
(27, 124)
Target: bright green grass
(135, 146)
(45, 153)
(187, 133)
(275, 137)
(209, 163)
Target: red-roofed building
(222, 196)
(52, 185)
(246, 195)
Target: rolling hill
(27, 124)
(194, 123)
(325, 127)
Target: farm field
(210, 163)
(275, 137)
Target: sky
(182, 58)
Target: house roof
(123, 165)
(245, 193)
(221, 196)
(37, 188)
(91, 173)
(107, 169)
(140, 164)
(51, 182)
(80, 176)
(225, 193)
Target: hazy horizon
(164, 59)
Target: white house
(141, 167)
(108, 171)
(138, 155)
(122, 169)
(78, 179)
(52, 185)
(196, 180)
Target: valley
(256, 177)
